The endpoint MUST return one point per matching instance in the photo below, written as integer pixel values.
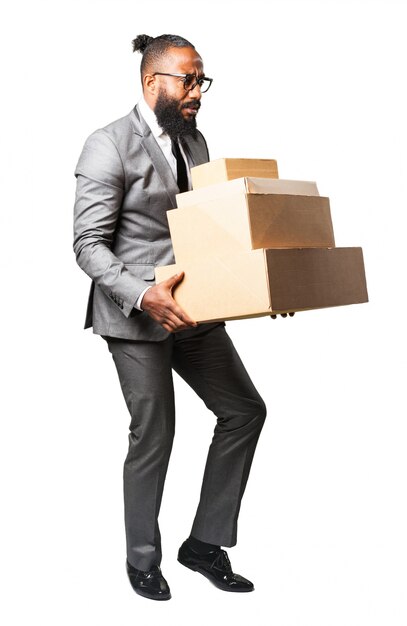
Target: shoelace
(222, 561)
(153, 573)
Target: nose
(195, 92)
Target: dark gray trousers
(207, 360)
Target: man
(127, 177)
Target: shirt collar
(150, 118)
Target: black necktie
(182, 176)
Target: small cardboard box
(241, 222)
(221, 170)
(247, 184)
(266, 281)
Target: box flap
(248, 184)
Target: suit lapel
(154, 152)
(196, 150)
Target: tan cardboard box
(247, 184)
(221, 170)
(241, 221)
(262, 282)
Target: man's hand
(161, 306)
(291, 314)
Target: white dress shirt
(164, 141)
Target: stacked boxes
(257, 245)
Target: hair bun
(141, 42)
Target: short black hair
(153, 48)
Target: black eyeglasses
(190, 81)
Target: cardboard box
(262, 282)
(241, 221)
(221, 170)
(248, 184)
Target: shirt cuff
(140, 299)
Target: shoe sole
(214, 583)
(145, 595)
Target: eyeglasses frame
(185, 76)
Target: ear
(150, 84)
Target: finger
(177, 318)
(174, 280)
(181, 315)
(172, 320)
(283, 314)
(291, 313)
(273, 317)
(171, 327)
(179, 330)
(168, 328)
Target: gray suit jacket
(124, 188)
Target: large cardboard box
(241, 222)
(221, 170)
(247, 184)
(262, 282)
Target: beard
(170, 118)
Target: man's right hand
(161, 306)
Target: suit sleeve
(99, 194)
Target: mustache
(192, 104)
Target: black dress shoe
(215, 565)
(150, 584)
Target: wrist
(140, 299)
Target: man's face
(175, 107)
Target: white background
(320, 87)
